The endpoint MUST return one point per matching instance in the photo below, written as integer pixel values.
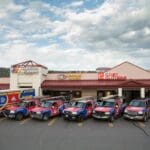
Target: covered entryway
(69, 94)
(131, 94)
(147, 92)
(105, 92)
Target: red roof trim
(29, 63)
(94, 83)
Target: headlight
(12, 111)
(38, 112)
(140, 112)
(93, 111)
(74, 113)
(107, 113)
(126, 111)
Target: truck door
(89, 108)
(117, 109)
(31, 106)
(148, 107)
(54, 109)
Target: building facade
(126, 79)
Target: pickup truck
(79, 110)
(47, 109)
(20, 110)
(138, 110)
(107, 110)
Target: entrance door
(131, 94)
(147, 93)
(68, 94)
(103, 93)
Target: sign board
(27, 93)
(69, 76)
(10, 96)
(109, 75)
(25, 70)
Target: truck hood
(72, 109)
(136, 109)
(37, 109)
(13, 108)
(103, 109)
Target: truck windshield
(137, 103)
(45, 104)
(78, 104)
(106, 104)
(22, 104)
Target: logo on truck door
(3, 100)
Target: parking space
(60, 134)
(92, 123)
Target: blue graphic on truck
(3, 99)
(28, 93)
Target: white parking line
(110, 124)
(2, 119)
(80, 124)
(52, 121)
(141, 124)
(25, 121)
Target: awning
(94, 83)
(4, 86)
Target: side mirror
(116, 106)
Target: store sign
(69, 76)
(108, 75)
(25, 70)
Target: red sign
(13, 97)
(108, 75)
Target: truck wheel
(112, 118)
(66, 119)
(80, 119)
(19, 116)
(46, 117)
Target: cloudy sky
(75, 34)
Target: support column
(142, 92)
(120, 92)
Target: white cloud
(13, 34)
(116, 31)
(76, 4)
(30, 15)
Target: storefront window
(103, 93)
(68, 94)
(147, 93)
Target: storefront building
(126, 79)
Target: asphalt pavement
(58, 134)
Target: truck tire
(46, 117)
(19, 116)
(112, 118)
(145, 117)
(80, 119)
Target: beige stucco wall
(131, 71)
(84, 76)
(127, 69)
(89, 92)
(34, 80)
(4, 80)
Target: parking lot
(59, 134)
